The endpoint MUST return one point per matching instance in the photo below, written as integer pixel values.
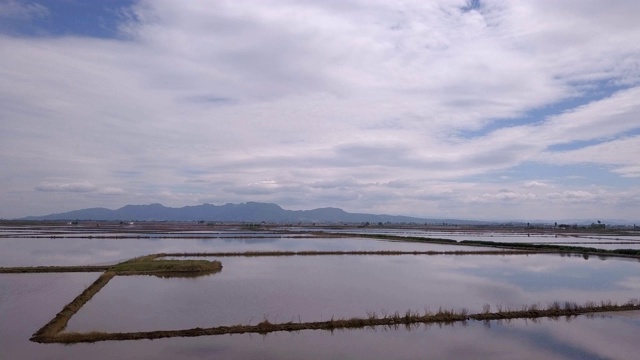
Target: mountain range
(244, 212)
(271, 213)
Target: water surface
(265, 287)
(27, 302)
(315, 288)
(84, 251)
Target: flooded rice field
(94, 251)
(250, 290)
(317, 288)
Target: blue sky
(65, 18)
(482, 110)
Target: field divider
(354, 252)
(60, 321)
(555, 310)
(51, 269)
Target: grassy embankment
(540, 248)
(154, 265)
(60, 321)
(554, 310)
(51, 269)
(121, 237)
(338, 252)
(632, 253)
(145, 265)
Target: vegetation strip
(150, 264)
(632, 253)
(556, 309)
(540, 247)
(59, 322)
(356, 252)
(51, 269)
(191, 268)
(196, 237)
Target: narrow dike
(442, 317)
(350, 253)
(51, 269)
(49, 332)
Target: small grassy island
(149, 265)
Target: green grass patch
(166, 267)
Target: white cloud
(367, 105)
(628, 171)
(111, 191)
(66, 187)
(618, 153)
(504, 196)
(535, 184)
(77, 187)
(597, 120)
(577, 195)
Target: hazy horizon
(485, 109)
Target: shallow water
(316, 288)
(27, 302)
(76, 248)
(248, 289)
(76, 251)
(609, 337)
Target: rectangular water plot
(319, 288)
(82, 251)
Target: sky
(489, 110)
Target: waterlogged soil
(317, 288)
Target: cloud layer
(489, 109)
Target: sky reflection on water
(318, 287)
(248, 289)
(72, 251)
(608, 337)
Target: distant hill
(244, 212)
